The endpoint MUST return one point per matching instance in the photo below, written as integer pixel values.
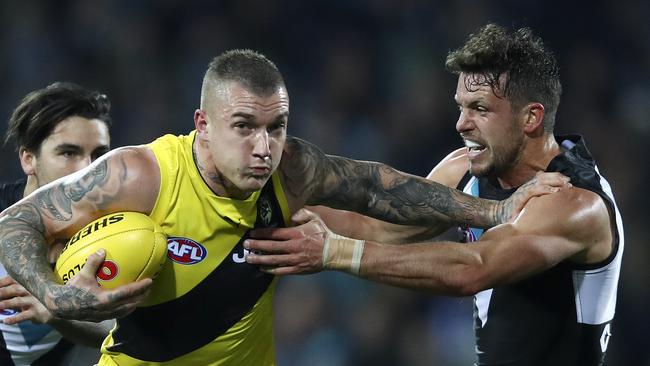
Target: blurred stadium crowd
(366, 80)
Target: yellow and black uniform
(207, 306)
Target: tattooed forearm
(23, 248)
(404, 199)
(377, 190)
(27, 228)
(23, 251)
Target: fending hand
(295, 250)
(542, 183)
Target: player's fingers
(273, 233)
(18, 318)
(553, 179)
(303, 216)
(12, 290)
(269, 259)
(541, 190)
(15, 303)
(266, 246)
(93, 263)
(6, 281)
(282, 271)
(129, 293)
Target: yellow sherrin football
(136, 248)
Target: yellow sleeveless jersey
(207, 305)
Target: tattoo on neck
(214, 177)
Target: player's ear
(533, 117)
(27, 161)
(200, 122)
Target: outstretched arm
(447, 172)
(579, 229)
(56, 211)
(374, 189)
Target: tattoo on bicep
(57, 202)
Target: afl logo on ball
(107, 271)
(185, 251)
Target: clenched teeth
(473, 146)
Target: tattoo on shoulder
(57, 202)
(302, 166)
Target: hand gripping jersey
(560, 317)
(207, 305)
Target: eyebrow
(65, 146)
(102, 148)
(284, 115)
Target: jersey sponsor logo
(240, 257)
(185, 251)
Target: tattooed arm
(57, 210)
(448, 172)
(377, 190)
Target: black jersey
(561, 316)
(11, 193)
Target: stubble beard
(501, 159)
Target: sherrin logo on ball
(135, 249)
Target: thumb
(303, 216)
(93, 264)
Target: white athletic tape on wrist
(342, 253)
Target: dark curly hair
(42, 110)
(531, 70)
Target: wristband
(342, 253)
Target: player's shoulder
(450, 170)
(136, 161)
(135, 153)
(576, 210)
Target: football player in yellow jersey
(237, 170)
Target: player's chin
(479, 169)
(256, 182)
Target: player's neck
(31, 185)
(219, 184)
(534, 158)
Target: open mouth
(474, 147)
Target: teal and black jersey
(561, 316)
